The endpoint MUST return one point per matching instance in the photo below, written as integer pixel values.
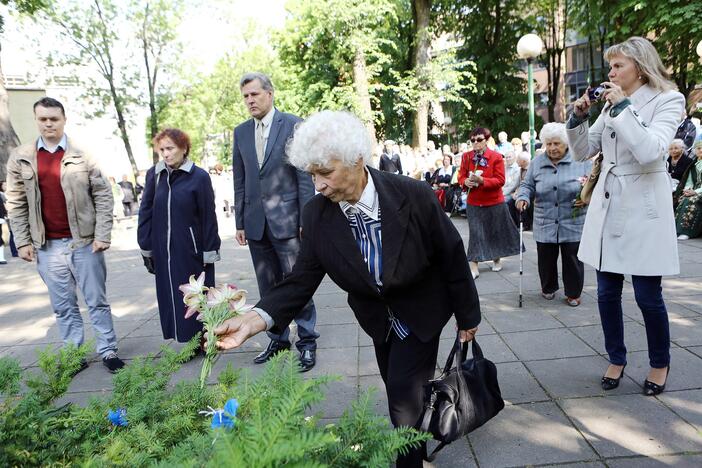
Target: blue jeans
(273, 259)
(62, 268)
(649, 298)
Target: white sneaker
(497, 265)
(683, 237)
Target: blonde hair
(648, 62)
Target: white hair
(524, 155)
(553, 131)
(679, 142)
(327, 136)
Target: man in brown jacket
(60, 207)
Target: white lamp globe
(529, 46)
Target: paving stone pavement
(549, 358)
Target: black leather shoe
(652, 389)
(274, 347)
(308, 358)
(609, 383)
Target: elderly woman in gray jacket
(629, 228)
(554, 181)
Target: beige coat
(630, 227)
(88, 197)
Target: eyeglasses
(477, 140)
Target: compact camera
(596, 93)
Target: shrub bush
(153, 423)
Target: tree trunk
(421, 10)
(360, 81)
(122, 124)
(8, 137)
(151, 83)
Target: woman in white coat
(629, 228)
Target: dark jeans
(129, 208)
(273, 258)
(649, 297)
(573, 269)
(406, 366)
(13, 247)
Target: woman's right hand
(582, 106)
(521, 205)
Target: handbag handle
(459, 352)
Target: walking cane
(521, 256)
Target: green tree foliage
(8, 136)
(675, 29)
(337, 53)
(488, 31)
(156, 23)
(209, 106)
(96, 29)
(165, 428)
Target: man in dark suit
(386, 241)
(390, 159)
(269, 194)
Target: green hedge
(154, 423)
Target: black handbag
(457, 403)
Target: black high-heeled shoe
(652, 389)
(609, 383)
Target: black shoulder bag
(459, 402)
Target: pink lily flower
(194, 286)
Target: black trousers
(406, 366)
(573, 269)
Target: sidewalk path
(549, 356)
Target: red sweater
(490, 192)
(53, 203)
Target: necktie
(259, 143)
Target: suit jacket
(425, 272)
(631, 211)
(276, 191)
(390, 163)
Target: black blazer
(426, 278)
(390, 163)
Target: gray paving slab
(577, 377)
(532, 434)
(686, 403)
(546, 344)
(456, 455)
(631, 425)
(686, 331)
(517, 385)
(685, 369)
(634, 336)
(678, 461)
(521, 320)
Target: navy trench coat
(178, 229)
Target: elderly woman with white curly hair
(385, 240)
(554, 181)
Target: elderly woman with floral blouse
(688, 214)
(554, 181)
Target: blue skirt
(493, 234)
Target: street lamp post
(529, 47)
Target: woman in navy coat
(177, 231)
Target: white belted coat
(630, 227)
